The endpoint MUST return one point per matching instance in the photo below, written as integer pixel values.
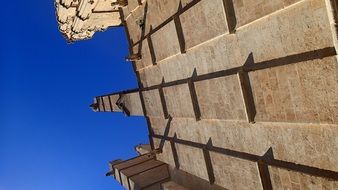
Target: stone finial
(110, 173)
(80, 19)
(94, 106)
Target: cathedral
(237, 94)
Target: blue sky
(49, 138)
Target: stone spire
(80, 19)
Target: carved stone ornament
(80, 19)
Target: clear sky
(49, 137)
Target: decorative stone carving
(80, 19)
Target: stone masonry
(237, 94)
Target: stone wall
(308, 144)
(249, 75)
(284, 179)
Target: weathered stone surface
(284, 179)
(159, 11)
(148, 177)
(107, 103)
(145, 54)
(132, 21)
(190, 181)
(129, 163)
(300, 28)
(233, 173)
(150, 76)
(166, 42)
(189, 158)
(332, 12)
(221, 98)
(172, 186)
(133, 103)
(178, 101)
(135, 170)
(136, 160)
(303, 92)
(203, 22)
(250, 10)
(113, 99)
(166, 156)
(286, 49)
(307, 144)
(80, 19)
(152, 102)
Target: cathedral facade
(237, 94)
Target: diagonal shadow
(247, 89)
(174, 151)
(208, 162)
(290, 59)
(179, 29)
(143, 28)
(230, 15)
(166, 132)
